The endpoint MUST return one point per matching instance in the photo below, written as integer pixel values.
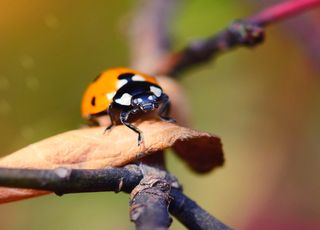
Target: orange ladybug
(124, 91)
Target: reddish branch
(247, 32)
(283, 11)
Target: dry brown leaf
(89, 148)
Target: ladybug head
(145, 102)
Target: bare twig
(191, 215)
(248, 32)
(149, 204)
(65, 180)
(282, 11)
(150, 197)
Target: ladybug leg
(124, 115)
(112, 118)
(165, 109)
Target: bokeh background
(264, 103)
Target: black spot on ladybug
(97, 77)
(126, 76)
(93, 101)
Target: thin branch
(239, 33)
(283, 10)
(248, 32)
(191, 215)
(152, 193)
(149, 201)
(63, 180)
(149, 204)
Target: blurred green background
(264, 103)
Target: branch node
(149, 203)
(148, 183)
(246, 33)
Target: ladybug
(122, 92)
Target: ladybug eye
(137, 100)
(93, 101)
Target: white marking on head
(150, 97)
(110, 95)
(139, 100)
(138, 78)
(157, 91)
(125, 99)
(121, 82)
